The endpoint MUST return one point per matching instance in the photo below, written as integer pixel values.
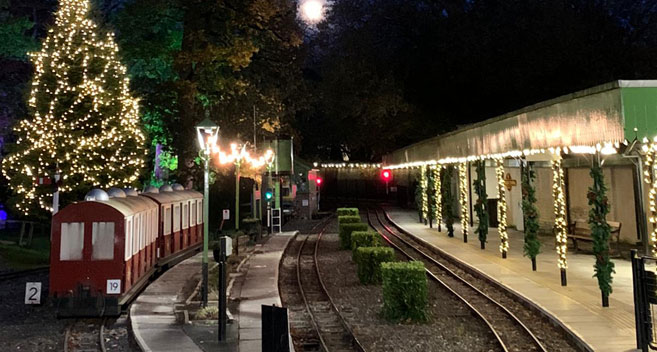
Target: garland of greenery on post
(481, 207)
(532, 245)
(463, 200)
(600, 231)
(437, 194)
(447, 208)
(419, 194)
(431, 204)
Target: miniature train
(105, 249)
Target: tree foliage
(83, 121)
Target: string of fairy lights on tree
(560, 226)
(501, 207)
(463, 198)
(650, 163)
(84, 122)
(438, 197)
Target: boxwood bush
(348, 211)
(348, 219)
(346, 230)
(363, 239)
(404, 291)
(369, 261)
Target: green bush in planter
(348, 219)
(404, 291)
(369, 261)
(346, 230)
(363, 239)
(348, 211)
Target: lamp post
(207, 132)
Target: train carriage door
(128, 253)
(192, 222)
(176, 226)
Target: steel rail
(451, 273)
(354, 339)
(313, 318)
(440, 282)
(21, 273)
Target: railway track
(316, 322)
(21, 273)
(85, 335)
(511, 333)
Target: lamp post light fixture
(207, 133)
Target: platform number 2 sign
(113, 287)
(33, 293)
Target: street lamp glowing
(207, 133)
(312, 11)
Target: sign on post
(33, 293)
(226, 214)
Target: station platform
(577, 306)
(153, 314)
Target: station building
(614, 123)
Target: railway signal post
(207, 132)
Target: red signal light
(318, 180)
(386, 175)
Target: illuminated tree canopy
(83, 121)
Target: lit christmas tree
(84, 122)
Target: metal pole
(222, 293)
(206, 216)
(237, 196)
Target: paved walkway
(577, 306)
(152, 314)
(260, 288)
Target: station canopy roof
(607, 114)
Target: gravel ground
(28, 328)
(452, 327)
(36, 328)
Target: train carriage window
(72, 241)
(154, 224)
(176, 218)
(199, 207)
(102, 240)
(192, 217)
(167, 221)
(128, 238)
(135, 234)
(185, 216)
(147, 228)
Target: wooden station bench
(580, 231)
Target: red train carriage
(105, 248)
(176, 207)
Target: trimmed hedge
(348, 219)
(363, 239)
(348, 211)
(369, 261)
(404, 291)
(346, 230)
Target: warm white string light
(560, 227)
(650, 162)
(425, 198)
(501, 207)
(241, 156)
(85, 122)
(438, 197)
(348, 165)
(463, 198)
